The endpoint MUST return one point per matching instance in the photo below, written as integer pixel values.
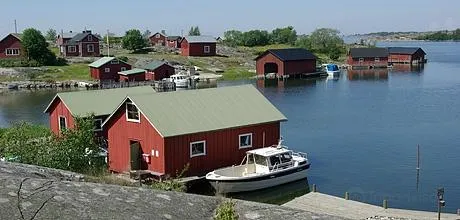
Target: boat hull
(333, 73)
(260, 182)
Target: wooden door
(135, 155)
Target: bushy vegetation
(226, 211)
(133, 40)
(36, 48)
(286, 35)
(74, 150)
(442, 36)
(172, 184)
(323, 41)
(194, 31)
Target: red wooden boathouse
(198, 46)
(290, 61)
(207, 129)
(107, 68)
(158, 70)
(368, 58)
(406, 55)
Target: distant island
(446, 35)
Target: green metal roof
(154, 64)
(100, 62)
(192, 111)
(132, 71)
(98, 102)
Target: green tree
(133, 40)
(51, 35)
(36, 47)
(286, 35)
(324, 40)
(194, 31)
(304, 42)
(233, 38)
(456, 34)
(256, 38)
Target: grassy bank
(77, 71)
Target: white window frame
(90, 37)
(72, 49)
(200, 154)
(361, 60)
(207, 49)
(59, 122)
(377, 59)
(107, 70)
(122, 69)
(157, 36)
(10, 51)
(138, 113)
(115, 61)
(98, 129)
(92, 48)
(239, 140)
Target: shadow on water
(281, 84)
(368, 74)
(405, 68)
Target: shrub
(172, 184)
(226, 211)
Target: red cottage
(198, 46)
(158, 70)
(406, 55)
(206, 128)
(83, 44)
(291, 61)
(10, 46)
(134, 75)
(158, 39)
(368, 58)
(64, 106)
(173, 41)
(107, 68)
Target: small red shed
(158, 70)
(64, 106)
(290, 61)
(134, 75)
(158, 39)
(173, 41)
(198, 46)
(368, 58)
(406, 55)
(205, 128)
(107, 68)
(10, 46)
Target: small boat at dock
(331, 69)
(13, 86)
(261, 168)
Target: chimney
(163, 32)
(87, 31)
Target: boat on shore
(261, 168)
(332, 69)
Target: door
(135, 155)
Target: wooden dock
(325, 204)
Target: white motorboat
(261, 168)
(181, 80)
(332, 69)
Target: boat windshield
(250, 159)
(260, 160)
(332, 67)
(285, 158)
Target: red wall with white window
(10, 42)
(101, 74)
(368, 62)
(197, 49)
(82, 47)
(161, 40)
(222, 146)
(57, 109)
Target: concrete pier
(335, 206)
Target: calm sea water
(361, 131)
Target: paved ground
(335, 206)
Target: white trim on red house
(239, 140)
(11, 51)
(88, 46)
(98, 129)
(199, 154)
(73, 50)
(59, 122)
(138, 113)
(207, 49)
(107, 70)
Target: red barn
(406, 55)
(107, 68)
(368, 58)
(205, 128)
(134, 75)
(64, 106)
(290, 61)
(158, 70)
(10, 46)
(158, 39)
(173, 41)
(198, 46)
(83, 44)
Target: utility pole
(108, 43)
(15, 27)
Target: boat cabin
(268, 159)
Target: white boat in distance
(261, 168)
(181, 80)
(332, 69)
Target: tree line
(442, 36)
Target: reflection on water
(275, 195)
(404, 68)
(368, 74)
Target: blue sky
(215, 16)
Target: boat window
(286, 158)
(260, 160)
(250, 159)
(274, 160)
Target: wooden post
(347, 196)
(385, 204)
(418, 157)
(314, 188)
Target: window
(197, 148)
(377, 59)
(132, 113)
(245, 140)
(285, 158)
(260, 160)
(12, 52)
(361, 60)
(123, 69)
(90, 37)
(114, 61)
(90, 48)
(157, 36)
(62, 123)
(274, 160)
(207, 49)
(72, 49)
(107, 70)
(97, 124)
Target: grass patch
(237, 73)
(78, 71)
(226, 211)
